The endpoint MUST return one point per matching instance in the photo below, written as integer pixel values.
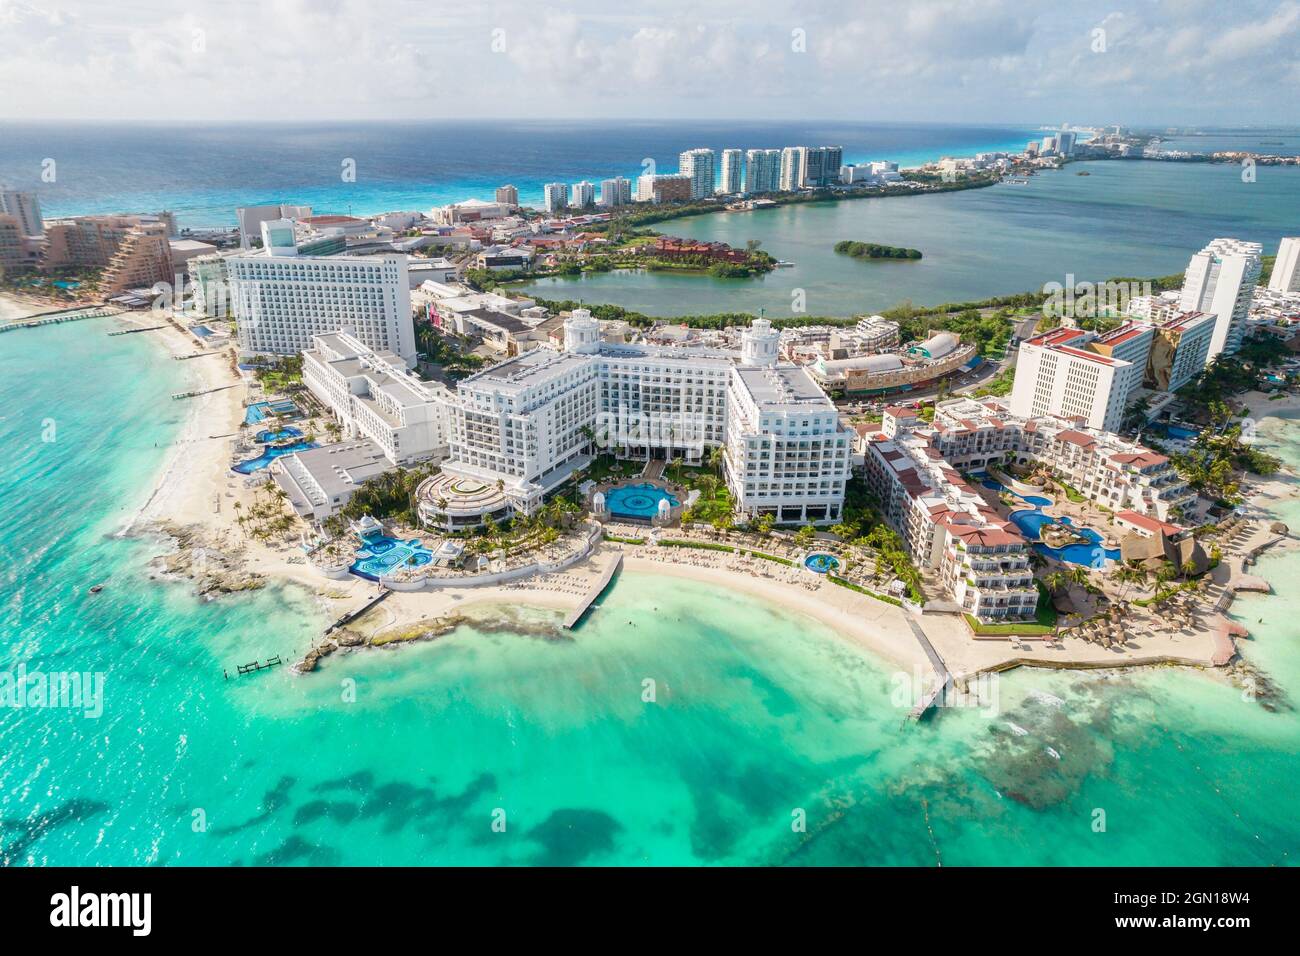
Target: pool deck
(594, 592)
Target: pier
(593, 592)
(353, 615)
(942, 677)
(148, 328)
(254, 667)
(205, 391)
(58, 317)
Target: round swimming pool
(821, 563)
(638, 501)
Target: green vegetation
(714, 504)
(1220, 451)
(280, 375)
(445, 351)
(871, 250)
(616, 538)
(387, 496)
(999, 385)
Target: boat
(96, 588)
(1083, 173)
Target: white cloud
(924, 60)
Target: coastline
(192, 503)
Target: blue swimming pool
(1181, 433)
(1092, 554)
(260, 410)
(287, 432)
(379, 555)
(821, 563)
(270, 454)
(638, 501)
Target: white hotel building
(1070, 372)
(1221, 280)
(374, 396)
(281, 299)
(517, 431)
(528, 423)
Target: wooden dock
(255, 666)
(942, 678)
(594, 592)
(56, 318)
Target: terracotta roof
(1076, 438)
(1148, 523)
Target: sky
(1133, 62)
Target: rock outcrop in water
(214, 569)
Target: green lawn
(1044, 619)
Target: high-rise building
(25, 208)
(1220, 279)
(210, 281)
(791, 169)
(1065, 142)
(555, 196)
(507, 196)
(615, 192)
(250, 219)
(142, 258)
(1178, 350)
(1069, 372)
(664, 187)
(730, 181)
(584, 195)
(762, 171)
(17, 251)
(1286, 270)
(819, 165)
(698, 165)
(281, 299)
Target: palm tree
(1057, 582)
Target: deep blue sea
(203, 172)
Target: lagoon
(1127, 218)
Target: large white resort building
(281, 297)
(915, 469)
(517, 431)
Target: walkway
(594, 592)
(942, 678)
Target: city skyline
(1132, 61)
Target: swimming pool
(270, 454)
(638, 501)
(260, 410)
(202, 331)
(287, 432)
(380, 555)
(1092, 554)
(821, 563)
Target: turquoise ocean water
(758, 714)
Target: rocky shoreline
(347, 639)
(214, 565)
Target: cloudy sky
(1082, 61)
